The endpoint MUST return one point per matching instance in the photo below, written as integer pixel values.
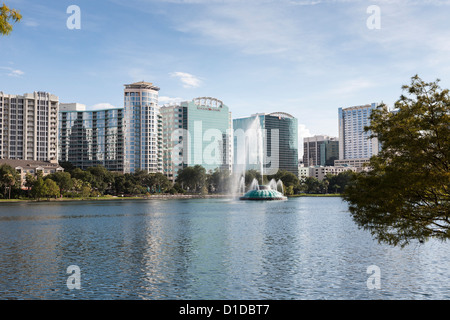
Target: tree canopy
(405, 194)
(8, 16)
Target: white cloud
(168, 100)
(188, 80)
(31, 23)
(11, 72)
(351, 87)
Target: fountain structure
(265, 192)
(250, 153)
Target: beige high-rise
(29, 126)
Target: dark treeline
(98, 181)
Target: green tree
(250, 175)
(157, 182)
(218, 181)
(338, 183)
(312, 185)
(101, 179)
(8, 16)
(85, 191)
(405, 194)
(39, 189)
(9, 179)
(51, 189)
(289, 180)
(30, 180)
(63, 180)
(192, 178)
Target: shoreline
(153, 197)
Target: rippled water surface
(303, 248)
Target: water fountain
(265, 192)
(250, 153)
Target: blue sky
(304, 57)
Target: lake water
(303, 248)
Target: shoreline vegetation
(97, 183)
(151, 197)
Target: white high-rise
(143, 128)
(29, 126)
(355, 146)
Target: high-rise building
(355, 146)
(320, 150)
(29, 126)
(90, 138)
(196, 132)
(266, 142)
(174, 120)
(143, 128)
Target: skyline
(307, 58)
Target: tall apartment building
(196, 132)
(143, 128)
(320, 150)
(29, 126)
(266, 142)
(355, 146)
(90, 138)
(175, 124)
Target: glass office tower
(90, 138)
(267, 141)
(320, 150)
(143, 128)
(197, 132)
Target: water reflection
(305, 248)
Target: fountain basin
(263, 193)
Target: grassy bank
(103, 198)
(315, 195)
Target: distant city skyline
(307, 58)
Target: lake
(302, 248)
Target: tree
(250, 175)
(101, 179)
(8, 15)
(30, 180)
(405, 194)
(339, 182)
(51, 188)
(312, 185)
(290, 181)
(193, 178)
(39, 189)
(157, 182)
(63, 180)
(219, 180)
(9, 179)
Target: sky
(304, 57)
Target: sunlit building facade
(197, 132)
(29, 126)
(142, 128)
(355, 145)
